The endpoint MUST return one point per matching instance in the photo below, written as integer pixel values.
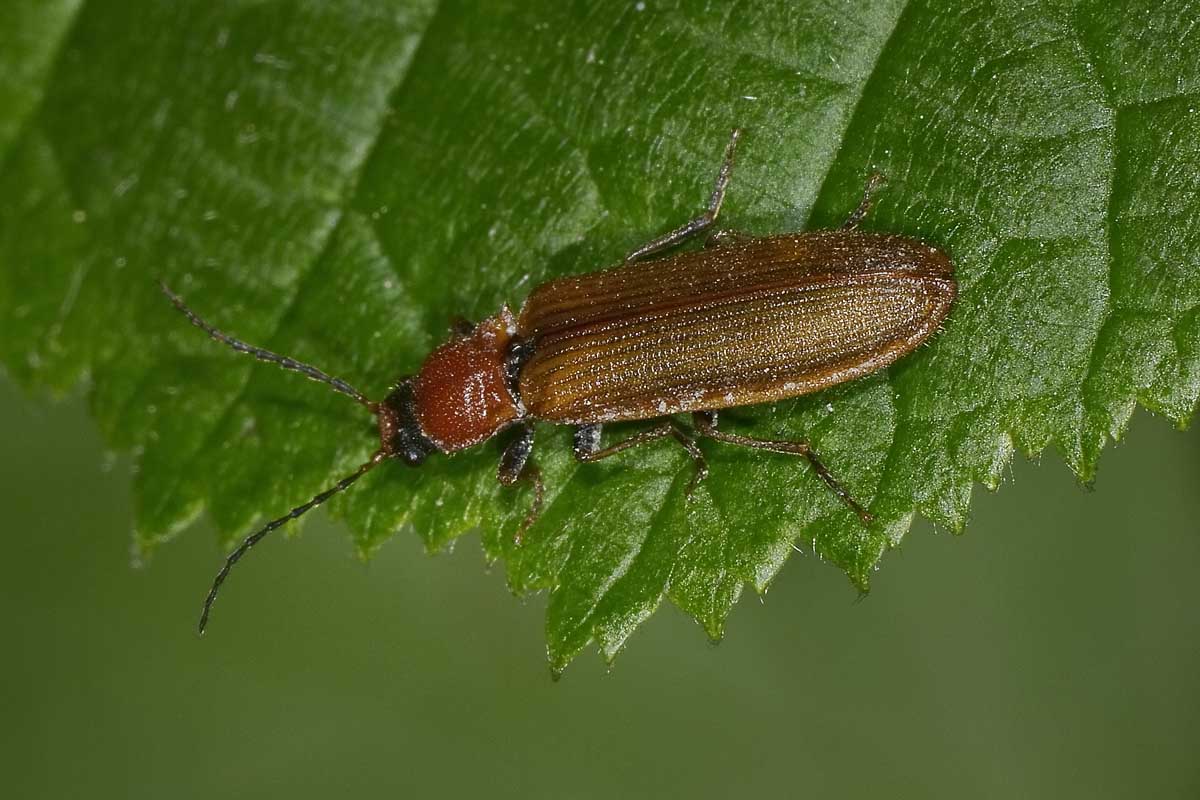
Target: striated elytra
(742, 321)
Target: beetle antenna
(258, 535)
(306, 370)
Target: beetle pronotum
(744, 320)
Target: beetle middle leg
(864, 206)
(514, 468)
(706, 218)
(706, 425)
(587, 446)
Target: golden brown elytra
(742, 321)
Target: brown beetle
(742, 321)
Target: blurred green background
(1054, 651)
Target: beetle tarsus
(706, 218)
(864, 206)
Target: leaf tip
(557, 665)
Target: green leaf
(336, 180)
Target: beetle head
(400, 433)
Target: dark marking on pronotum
(741, 321)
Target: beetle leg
(461, 326)
(864, 206)
(726, 238)
(515, 467)
(587, 442)
(706, 218)
(706, 425)
(587, 446)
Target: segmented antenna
(308, 371)
(258, 535)
(292, 364)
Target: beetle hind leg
(587, 446)
(515, 467)
(864, 206)
(706, 218)
(706, 425)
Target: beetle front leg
(864, 206)
(514, 468)
(706, 425)
(706, 218)
(587, 446)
